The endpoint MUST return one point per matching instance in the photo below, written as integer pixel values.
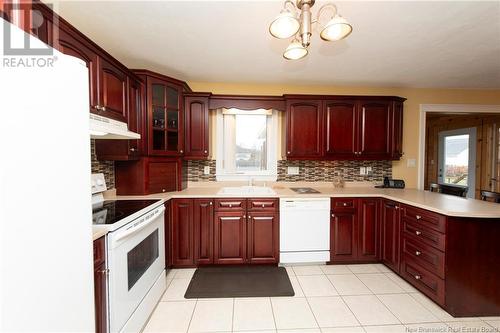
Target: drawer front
(425, 218)
(230, 204)
(263, 204)
(99, 251)
(424, 255)
(423, 234)
(344, 204)
(426, 282)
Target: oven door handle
(140, 225)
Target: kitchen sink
(247, 190)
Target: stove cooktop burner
(112, 211)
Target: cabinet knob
(333, 215)
(418, 217)
(417, 277)
(132, 149)
(417, 253)
(249, 217)
(396, 207)
(206, 152)
(418, 233)
(163, 190)
(230, 206)
(210, 203)
(345, 204)
(244, 216)
(263, 205)
(103, 108)
(181, 151)
(288, 152)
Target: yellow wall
(415, 97)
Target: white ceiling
(446, 44)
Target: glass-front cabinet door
(165, 118)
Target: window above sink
(247, 143)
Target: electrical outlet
(206, 170)
(362, 171)
(292, 170)
(411, 162)
(369, 170)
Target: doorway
(457, 158)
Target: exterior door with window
(457, 159)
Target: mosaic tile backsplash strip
(105, 167)
(309, 171)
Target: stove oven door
(136, 258)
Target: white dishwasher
(304, 230)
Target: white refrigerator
(46, 262)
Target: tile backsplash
(309, 171)
(105, 167)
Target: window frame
(271, 174)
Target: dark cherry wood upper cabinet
(397, 130)
(304, 129)
(165, 118)
(196, 116)
(369, 233)
(203, 231)
(112, 90)
(343, 236)
(263, 237)
(390, 222)
(375, 129)
(341, 128)
(230, 237)
(125, 150)
(71, 44)
(182, 232)
(33, 17)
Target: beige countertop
(96, 233)
(436, 202)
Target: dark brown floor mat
(239, 281)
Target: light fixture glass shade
(336, 29)
(295, 51)
(285, 25)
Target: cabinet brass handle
(418, 217)
(417, 253)
(417, 277)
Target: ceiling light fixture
(290, 22)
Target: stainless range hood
(106, 128)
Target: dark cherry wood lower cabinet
(203, 210)
(263, 237)
(182, 233)
(100, 286)
(224, 231)
(354, 230)
(230, 237)
(390, 230)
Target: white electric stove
(135, 249)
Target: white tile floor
(333, 299)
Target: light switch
(411, 163)
(206, 170)
(292, 170)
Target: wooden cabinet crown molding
(146, 72)
(247, 102)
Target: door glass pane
(251, 142)
(158, 117)
(172, 141)
(159, 140)
(456, 159)
(172, 119)
(158, 94)
(172, 97)
(141, 257)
